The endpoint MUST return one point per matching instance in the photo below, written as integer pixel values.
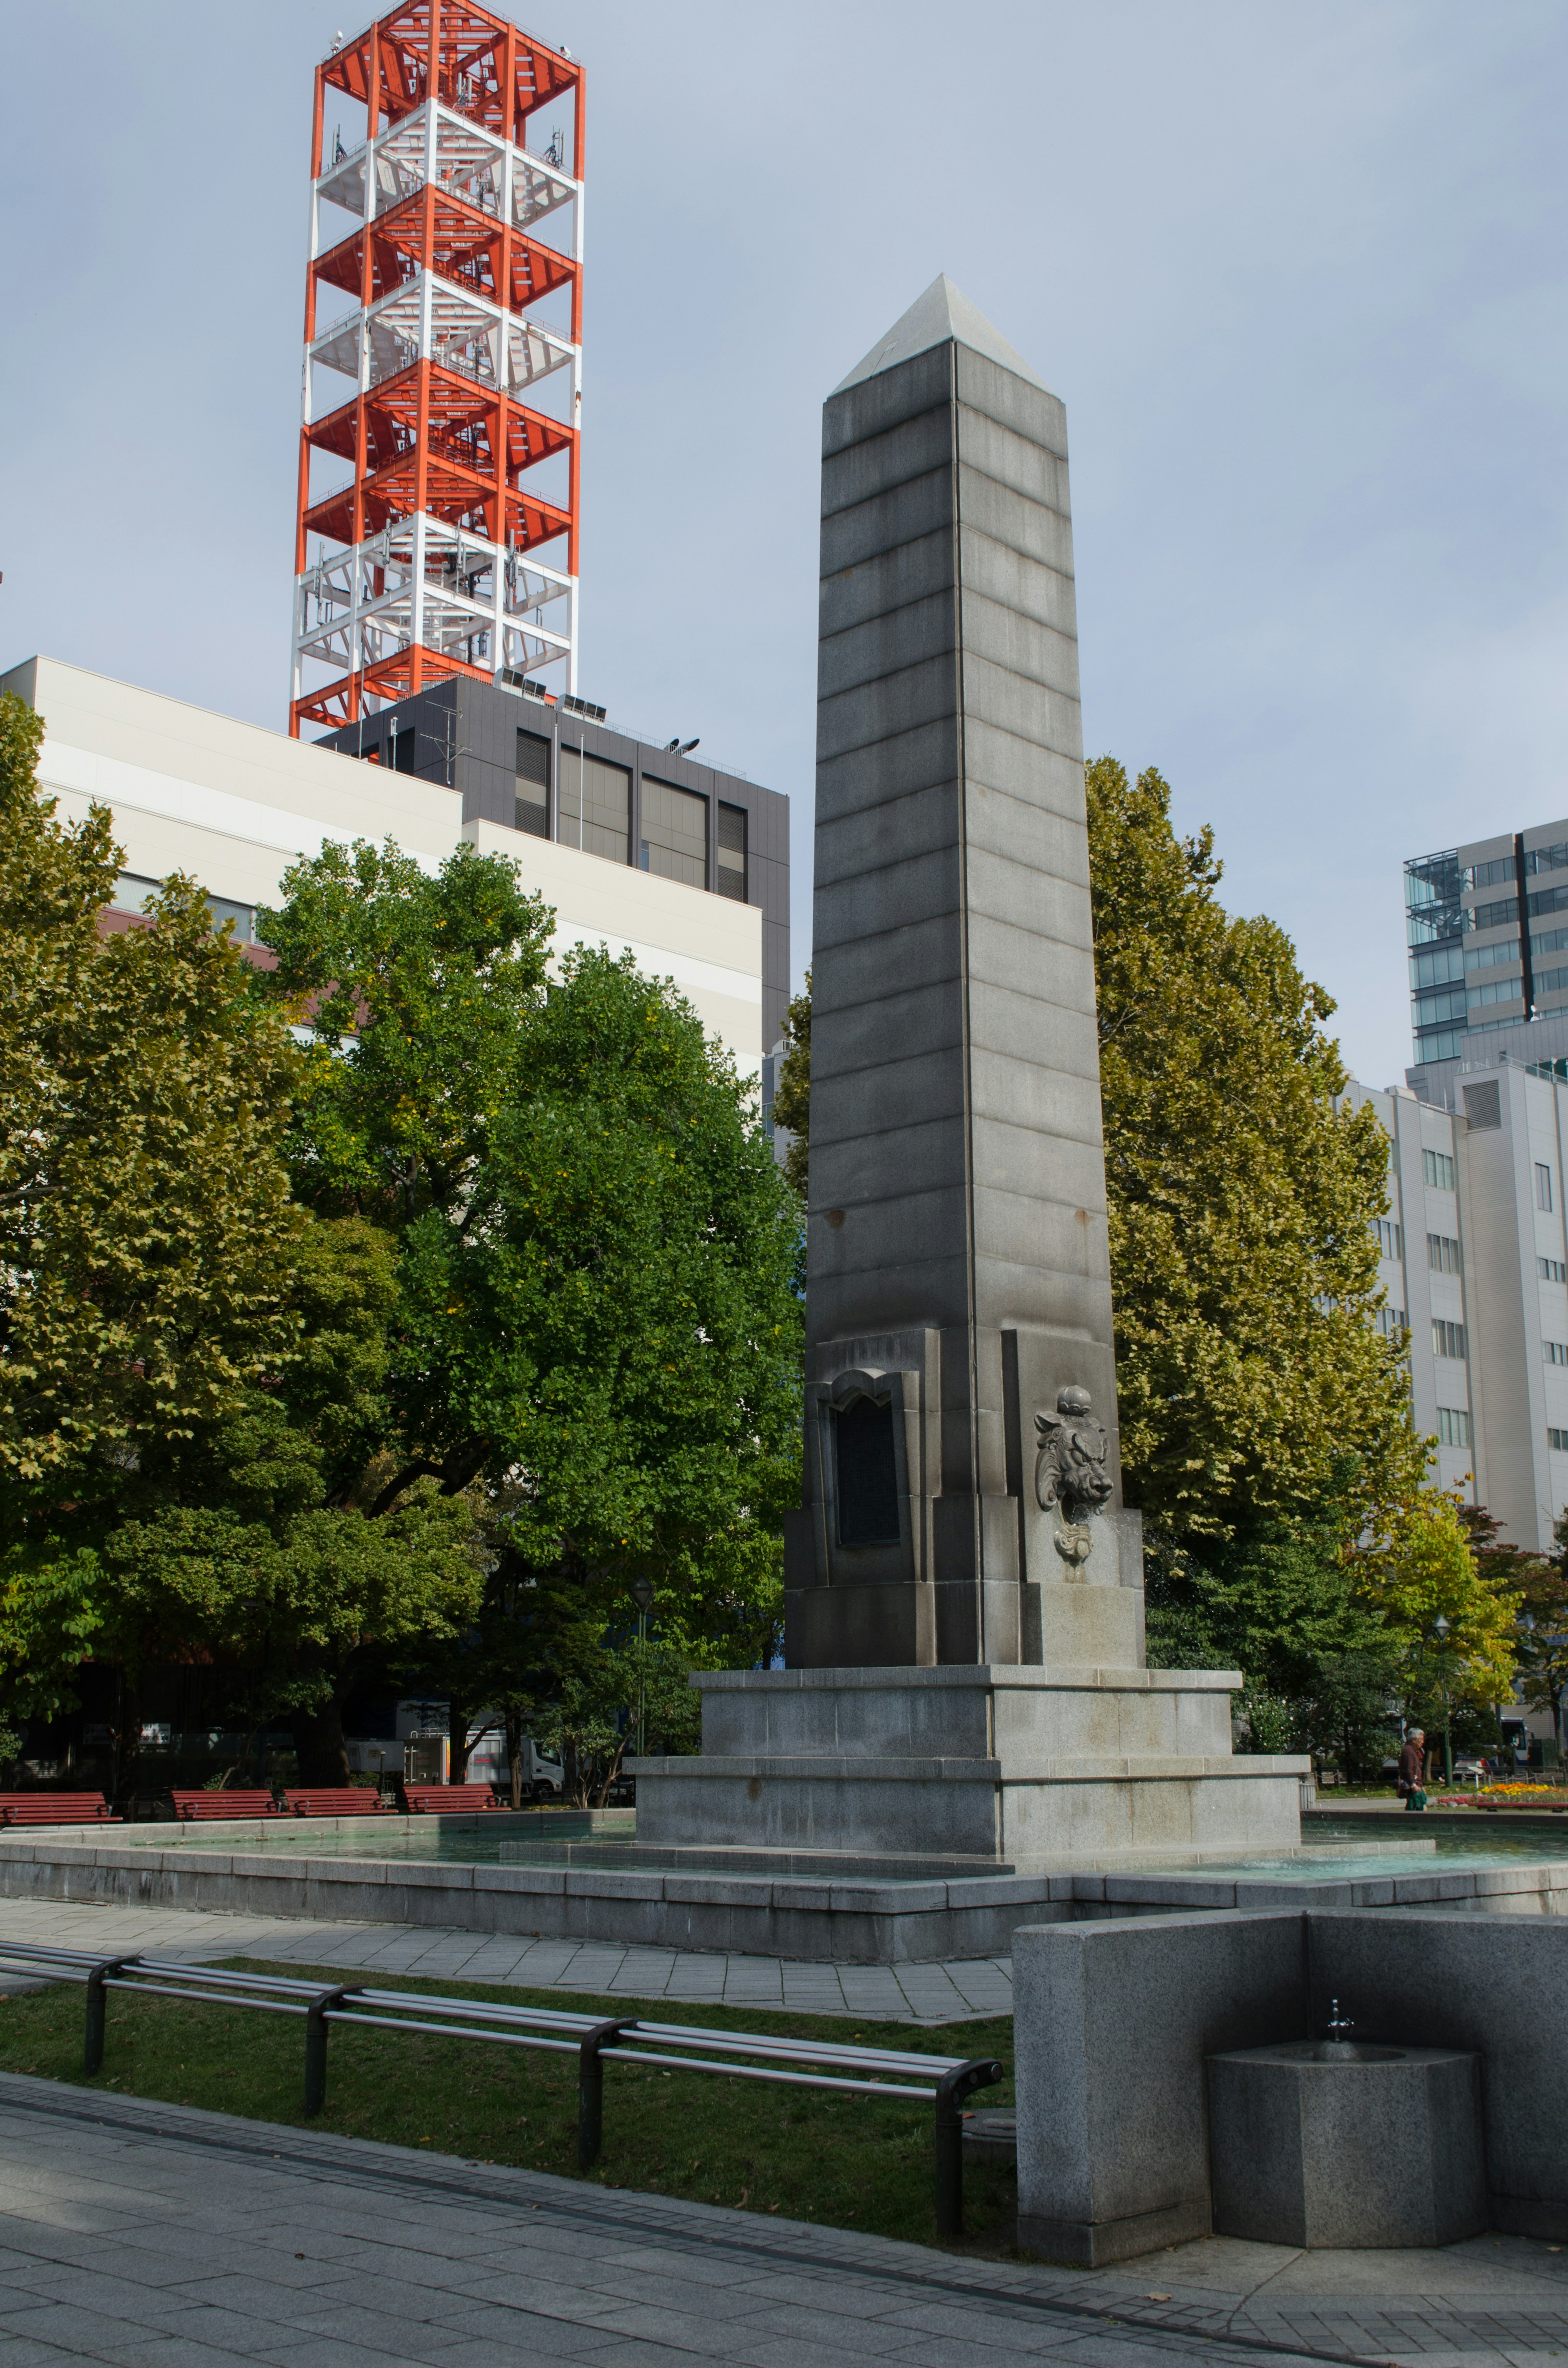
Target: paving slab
(967, 1991)
(413, 2257)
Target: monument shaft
(957, 1270)
(963, 1594)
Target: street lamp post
(642, 1593)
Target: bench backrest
(423, 1798)
(223, 1805)
(55, 1809)
(334, 1801)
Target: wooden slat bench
(425, 1799)
(55, 1810)
(334, 1801)
(191, 1806)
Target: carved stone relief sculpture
(1071, 1475)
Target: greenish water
(574, 1841)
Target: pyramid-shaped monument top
(942, 313)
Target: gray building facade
(559, 770)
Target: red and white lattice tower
(439, 457)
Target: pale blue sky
(1298, 273)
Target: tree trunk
(319, 1746)
(610, 1773)
(457, 1744)
(128, 1768)
(515, 1754)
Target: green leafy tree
(1254, 1385)
(1282, 1605)
(145, 1229)
(1452, 1625)
(1542, 1641)
(792, 1087)
(1255, 1390)
(595, 1325)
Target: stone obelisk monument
(958, 1273)
(964, 1635)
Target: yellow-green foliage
(145, 1219)
(1421, 1570)
(1251, 1379)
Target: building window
(1504, 949)
(732, 881)
(1448, 1339)
(1558, 1442)
(131, 892)
(1440, 1043)
(533, 784)
(1555, 1351)
(1498, 990)
(1390, 1239)
(1391, 1322)
(1552, 1270)
(1445, 1003)
(1438, 1169)
(675, 833)
(242, 915)
(1443, 1254)
(1542, 1185)
(595, 803)
(1453, 1426)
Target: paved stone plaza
(152, 2237)
(893, 1993)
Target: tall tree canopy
(145, 1231)
(596, 1338)
(1257, 1396)
(1254, 1384)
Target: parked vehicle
(488, 1764)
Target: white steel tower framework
(438, 455)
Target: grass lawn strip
(847, 2162)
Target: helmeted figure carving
(1070, 1468)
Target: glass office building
(1486, 927)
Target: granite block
(1301, 2153)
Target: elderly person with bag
(1412, 1771)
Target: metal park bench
(55, 1810)
(192, 1806)
(335, 1800)
(944, 2080)
(450, 1798)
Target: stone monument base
(1031, 1766)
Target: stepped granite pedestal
(1035, 1769)
(963, 1585)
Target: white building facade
(1475, 1263)
(235, 805)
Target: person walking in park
(1412, 1770)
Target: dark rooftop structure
(559, 770)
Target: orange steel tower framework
(438, 454)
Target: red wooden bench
(55, 1810)
(188, 1805)
(422, 1798)
(335, 1800)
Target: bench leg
(591, 2090)
(315, 2045)
(952, 2090)
(97, 2008)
